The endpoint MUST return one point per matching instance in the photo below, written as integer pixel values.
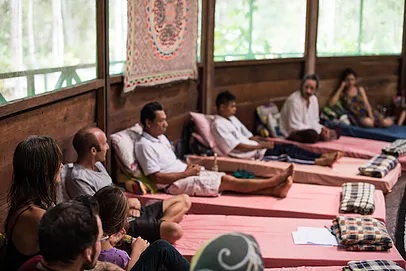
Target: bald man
(87, 176)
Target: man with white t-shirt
(159, 163)
(235, 140)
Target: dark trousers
(292, 151)
(161, 255)
(304, 136)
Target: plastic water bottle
(215, 166)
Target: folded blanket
(378, 166)
(396, 148)
(358, 198)
(361, 233)
(373, 265)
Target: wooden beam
(402, 72)
(102, 98)
(312, 13)
(207, 54)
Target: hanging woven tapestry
(161, 42)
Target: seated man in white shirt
(235, 140)
(299, 119)
(159, 163)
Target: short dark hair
(311, 76)
(225, 98)
(67, 229)
(346, 72)
(84, 140)
(113, 209)
(148, 112)
(36, 161)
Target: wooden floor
(393, 200)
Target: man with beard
(69, 237)
(299, 119)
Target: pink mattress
(307, 268)
(344, 170)
(352, 146)
(303, 201)
(274, 235)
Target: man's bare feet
(281, 191)
(282, 177)
(328, 159)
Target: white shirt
(156, 155)
(296, 116)
(230, 132)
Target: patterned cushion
(379, 166)
(396, 148)
(374, 265)
(358, 198)
(361, 233)
(203, 124)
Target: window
(259, 29)
(359, 27)
(45, 45)
(117, 35)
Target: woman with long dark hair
(37, 162)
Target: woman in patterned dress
(355, 101)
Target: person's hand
(192, 170)
(139, 245)
(266, 144)
(343, 85)
(135, 207)
(325, 133)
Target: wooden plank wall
(380, 76)
(59, 120)
(178, 99)
(256, 83)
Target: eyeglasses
(104, 237)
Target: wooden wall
(178, 99)
(255, 83)
(380, 76)
(62, 119)
(59, 120)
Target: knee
(187, 203)
(387, 122)
(367, 122)
(171, 231)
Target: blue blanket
(382, 134)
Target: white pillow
(123, 143)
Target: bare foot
(282, 177)
(282, 190)
(328, 160)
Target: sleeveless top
(357, 110)
(15, 258)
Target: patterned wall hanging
(161, 42)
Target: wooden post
(208, 12)
(103, 97)
(402, 72)
(312, 13)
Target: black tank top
(15, 258)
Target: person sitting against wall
(87, 176)
(354, 99)
(159, 163)
(299, 120)
(37, 164)
(235, 140)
